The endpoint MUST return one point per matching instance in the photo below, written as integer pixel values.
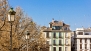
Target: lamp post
(27, 38)
(11, 18)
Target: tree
(21, 24)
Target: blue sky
(76, 13)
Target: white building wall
(78, 44)
(83, 39)
(50, 34)
(83, 44)
(88, 44)
(50, 48)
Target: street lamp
(11, 18)
(27, 38)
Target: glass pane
(66, 49)
(60, 35)
(8, 17)
(47, 35)
(66, 41)
(54, 42)
(60, 48)
(54, 48)
(60, 42)
(12, 17)
(54, 35)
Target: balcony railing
(67, 44)
(67, 36)
(54, 36)
(61, 44)
(60, 37)
(55, 44)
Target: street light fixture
(11, 19)
(11, 15)
(27, 38)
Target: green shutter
(57, 42)
(52, 41)
(51, 38)
(62, 34)
(57, 34)
(62, 41)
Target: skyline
(76, 13)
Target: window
(80, 46)
(54, 42)
(85, 46)
(61, 27)
(60, 35)
(80, 40)
(47, 34)
(90, 40)
(85, 40)
(56, 27)
(54, 35)
(86, 33)
(60, 48)
(54, 48)
(65, 28)
(90, 46)
(60, 42)
(66, 49)
(53, 28)
(47, 42)
(80, 33)
(66, 41)
(66, 35)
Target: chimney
(52, 20)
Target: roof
(84, 29)
(58, 23)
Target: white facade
(83, 39)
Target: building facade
(83, 39)
(58, 36)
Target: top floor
(58, 25)
(83, 31)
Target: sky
(76, 13)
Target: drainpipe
(63, 41)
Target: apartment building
(73, 41)
(58, 36)
(83, 39)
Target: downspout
(63, 41)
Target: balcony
(67, 44)
(60, 36)
(55, 44)
(67, 37)
(60, 44)
(48, 37)
(54, 36)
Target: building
(73, 41)
(83, 39)
(58, 36)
